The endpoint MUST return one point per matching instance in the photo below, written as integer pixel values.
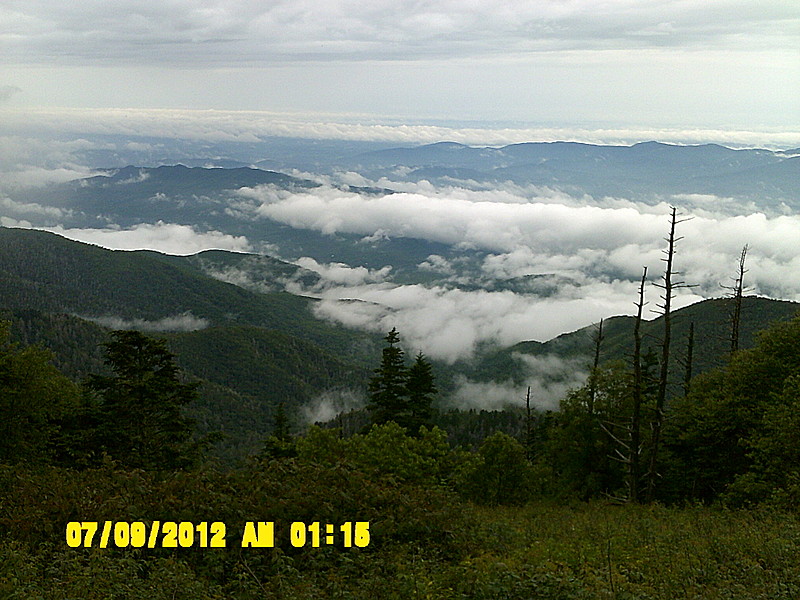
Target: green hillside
(244, 371)
(252, 350)
(711, 320)
(48, 273)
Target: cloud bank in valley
(594, 254)
(528, 236)
(169, 238)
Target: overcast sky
(721, 64)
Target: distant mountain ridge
(645, 168)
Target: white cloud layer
(450, 324)
(592, 253)
(342, 274)
(168, 238)
(526, 236)
(252, 126)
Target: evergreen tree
(387, 388)
(139, 409)
(399, 393)
(420, 389)
(280, 444)
(281, 424)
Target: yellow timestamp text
(187, 534)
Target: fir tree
(421, 389)
(139, 411)
(387, 388)
(280, 444)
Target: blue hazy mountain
(648, 170)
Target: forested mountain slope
(45, 272)
(712, 330)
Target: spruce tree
(139, 410)
(421, 389)
(387, 388)
(280, 444)
(401, 394)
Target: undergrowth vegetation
(425, 541)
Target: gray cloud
(182, 322)
(235, 31)
(7, 91)
(33, 162)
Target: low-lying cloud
(583, 242)
(169, 238)
(451, 324)
(330, 404)
(342, 274)
(255, 126)
(182, 322)
(548, 378)
(580, 258)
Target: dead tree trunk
(668, 286)
(638, 385)
(528, 426)
(598, 341)
(738, 293)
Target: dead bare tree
(638, 386)
(627, 435)
(597, 338)
(737, 293)
(668, 287)
(528, 425)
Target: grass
(539, 551)
(637, 552)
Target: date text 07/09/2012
(187, 534)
